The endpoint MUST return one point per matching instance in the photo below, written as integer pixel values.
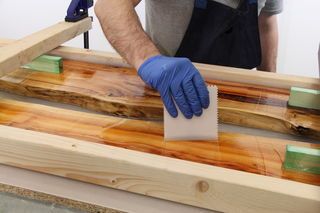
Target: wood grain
(28, 48)
(263, 156)
(119, 91)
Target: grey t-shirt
(168, 20)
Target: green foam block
(46, 63)
(302, 159)
(305, 98)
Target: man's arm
(176, 79)
(121, 26)
(268, 27)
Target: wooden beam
(210, 72)
(79, 54)
(91, 56)
(171, 179)
(6, 41)
(26, 49)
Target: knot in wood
(203, 186)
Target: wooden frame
(199, 185)
(162, 177)
(26, 49)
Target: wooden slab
(252, 154)
(119, 91)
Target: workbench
(112, 135)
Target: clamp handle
(78, 9)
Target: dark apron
(218, 34)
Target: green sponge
(302, 159)
(46, 63)
(305, 98)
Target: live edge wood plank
(177, 180)
(28, 48)
(119, 91)
(269, 117)
(253, 154)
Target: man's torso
(168, 20)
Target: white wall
(19, 18)
(299, 29)
(299, 37)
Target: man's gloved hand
(178, 79)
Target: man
(222, 32)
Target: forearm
(268, 28)
(123, 30)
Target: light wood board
(213, 72)
(176, 180)
(28, 48)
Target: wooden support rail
(210, 72)
(26, 49)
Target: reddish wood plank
(119, 91)
(235, 151)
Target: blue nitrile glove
(176, 78)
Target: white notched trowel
(204, 127)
